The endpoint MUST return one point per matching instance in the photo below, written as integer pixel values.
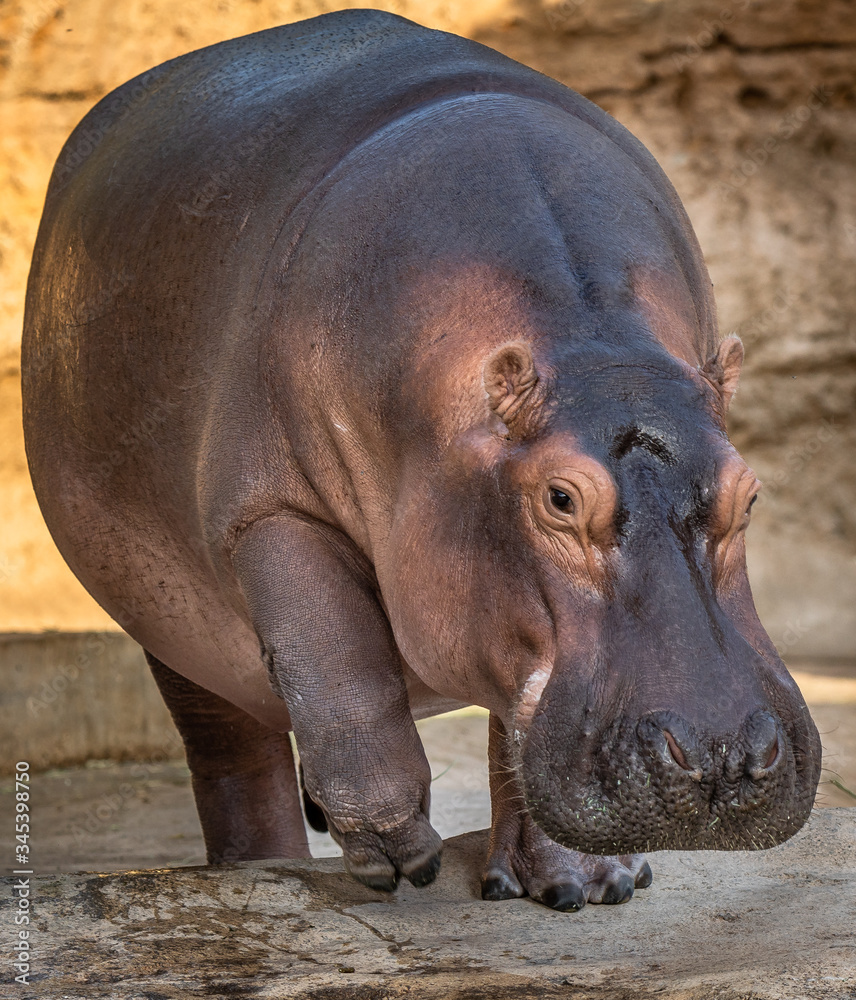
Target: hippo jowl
(368, 373)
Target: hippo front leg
(522, 860)
(332, 657)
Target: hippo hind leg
(522, 860)
(243, 773)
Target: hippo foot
(562, 879)
(379, 859)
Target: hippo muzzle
(673, 733)
(657, 782)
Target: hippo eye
(561, 501)
(751, 502)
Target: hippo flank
(367, 374)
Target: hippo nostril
(676, 752)
(774, 753)
(764, 744)
(670, 740)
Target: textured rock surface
(773, 925)
(750, 105)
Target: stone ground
(776, 925)
(742, 926)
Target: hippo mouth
(654, 784)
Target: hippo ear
(723, 368)
(509, 378)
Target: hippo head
(585, 550)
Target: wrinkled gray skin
(362, 346)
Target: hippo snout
(660, 783)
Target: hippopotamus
(368, 374)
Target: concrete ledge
(69, 697)
(772, 925)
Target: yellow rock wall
(750, 106)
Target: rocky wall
(749, 105)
